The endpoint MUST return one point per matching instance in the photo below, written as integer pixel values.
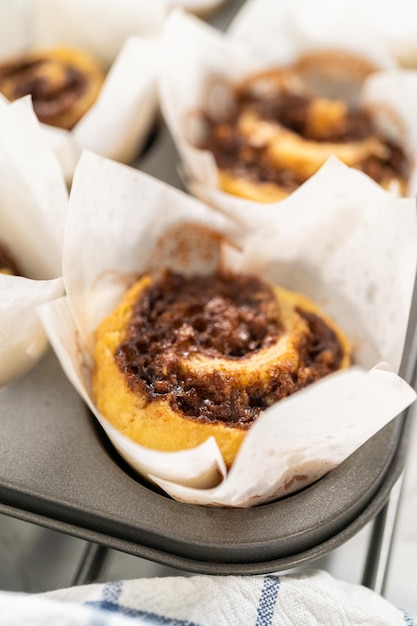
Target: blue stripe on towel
(110, 603)
(267, 601)
(409, 620)
(111, 592)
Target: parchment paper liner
(33, 204)
(118, 123)
(348, 244)
(208, 58)
(389, 27)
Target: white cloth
(310, 598)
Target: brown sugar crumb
(225, 316)
(296, 112)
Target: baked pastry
(185, 358)
(63, 83)
(7, 263)
(281, 125)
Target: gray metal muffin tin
(58, 469)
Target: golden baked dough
(64, 83)
(283, 125)
(182, 359)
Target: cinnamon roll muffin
(281, 125)
(185, 358)
(63, 83)
(8, 264)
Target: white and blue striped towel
(310, 598)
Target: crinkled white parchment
(387, 28)
(344, 241)
(33, 205)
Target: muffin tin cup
(315, 244)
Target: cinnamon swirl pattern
(63, 83)
(182, 359)
(282, 126)
(7, 263)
